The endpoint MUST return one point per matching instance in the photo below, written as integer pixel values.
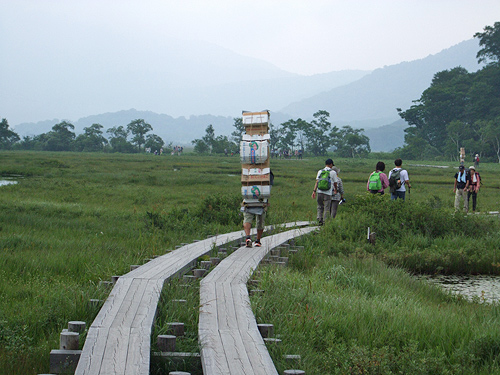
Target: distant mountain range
(372, 100)
(358, 98)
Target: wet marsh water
(7, 181)
(480, 288)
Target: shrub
(420, 236)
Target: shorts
(248, 218)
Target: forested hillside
(459, 109)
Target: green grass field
(75, 219)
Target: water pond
(480, 288)
(6, 181)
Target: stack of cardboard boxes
(255, 155)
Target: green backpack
(374, 182)
(324, 181)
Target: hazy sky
(305, 37)
(74, 58)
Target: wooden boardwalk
(229, 337)
(118, 340)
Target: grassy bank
(75, 219)
(355, 315)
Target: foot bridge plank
(229, 337)
(118, 340)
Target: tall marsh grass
(417, 236)
(75, 219)
(351, 315)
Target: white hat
(472, 167)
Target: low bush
(418, 236)
(215, 213)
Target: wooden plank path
(228, 334)
(119, 339)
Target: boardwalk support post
(166, 343)
(69, 340)
(266, 330)
(76, 326)
(176, 328)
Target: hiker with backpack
(378, 181)
(398, 180)
(326, 186)
(474, 185)
(337, 198)
(461, 187)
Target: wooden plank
(112, 304)
(245, 318)
(234, 350)
(116, 354)
(118, 340)
(226, 318)
(214, 360)
(228, 333)
(261, 364)
(139, 345)
(139, 351)
(91, 357)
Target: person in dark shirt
(462, 180)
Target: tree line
(317, 137)
(459, 109)
(135, 137)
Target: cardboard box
(255, 202)
(252, 170)
(255, 152)
(261, 130)
(256, 191)
(256, 137)
(253, 118)
(254, 156)
(249, 173)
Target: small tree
(92, 139)
(239, 130)
(210, 143)
(154, 142)
(139, 128)
(489, 40)
(351, 142)
(200, 146)
(209, 137)
(288, 132)
(491, 132)
(317, 133)
(118, 139)
(7, 136)
(61, 138)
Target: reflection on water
(481, 288)
(7, 182)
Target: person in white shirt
(398, 185)
(324, 196)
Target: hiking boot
(248, 242)
(257, 243)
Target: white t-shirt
(403, 176)
(333, 177)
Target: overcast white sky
(300, 36)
